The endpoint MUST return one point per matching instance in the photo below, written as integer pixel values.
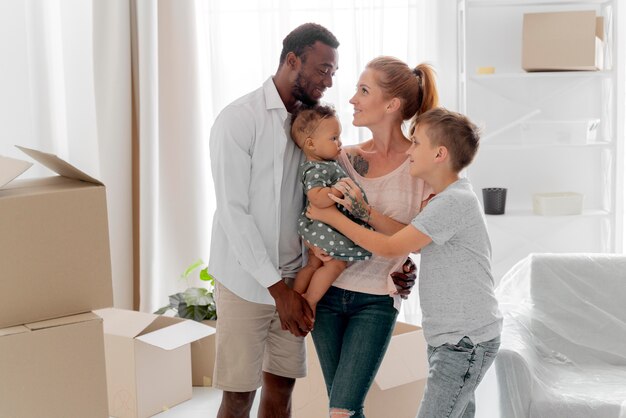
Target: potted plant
(198, 304)
(195, 303)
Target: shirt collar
(272, 98)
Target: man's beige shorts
(249, 340)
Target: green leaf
(197, 313)
(191, 268)
(176, 299)
(197, 296)
(205, 276)
(162, 310)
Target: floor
(206, 401)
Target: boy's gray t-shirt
(455, 280)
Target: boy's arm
(407, 240)
(318, 196)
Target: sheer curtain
(245, 40)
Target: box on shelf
(203, 358)
(398, 385)
(576, 132)
(148, 361)
(54, 369)
(54, 241)
(556, 204)
(562, 41)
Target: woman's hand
(323, 215)
(353, 199)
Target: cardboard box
(398, 385)
(54, 241)
(53, 369)
(203, 359)
(148, 361)
(560, 41)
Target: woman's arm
(407, 240)
(351, 198)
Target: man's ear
(292, 60)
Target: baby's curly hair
(305, 121)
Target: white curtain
(65, 86)
(171, 96)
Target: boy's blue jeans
(351, 334)
(454, 373)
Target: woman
(356, 317)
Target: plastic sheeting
(563, 351)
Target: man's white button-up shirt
(254, 163)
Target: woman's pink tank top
(397, 195)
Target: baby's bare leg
(322, 279)
(303, 278)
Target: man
(255, 248)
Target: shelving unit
(543, 131)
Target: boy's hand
(405, 280)
(325, 215)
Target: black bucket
(494, 199)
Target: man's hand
(293, 310)
(405, 280)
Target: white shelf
(539, 74)
(493, 145)
(525, 117)
(513, 3)
(528, 214)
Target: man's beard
(300, 93)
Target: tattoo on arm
(360, 164)
(359, 209)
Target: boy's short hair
(303, 37)
(306, 119)
(452, 130)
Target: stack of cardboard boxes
(54, 270)
(57, 357)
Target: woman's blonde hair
(415, 88)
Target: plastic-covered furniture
(563, 351)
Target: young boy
(461, 320)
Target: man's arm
(407, 240)
(230, 144)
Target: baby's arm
(318, 196)
(408, 239)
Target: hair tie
(417, 72)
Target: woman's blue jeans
(351, 334)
